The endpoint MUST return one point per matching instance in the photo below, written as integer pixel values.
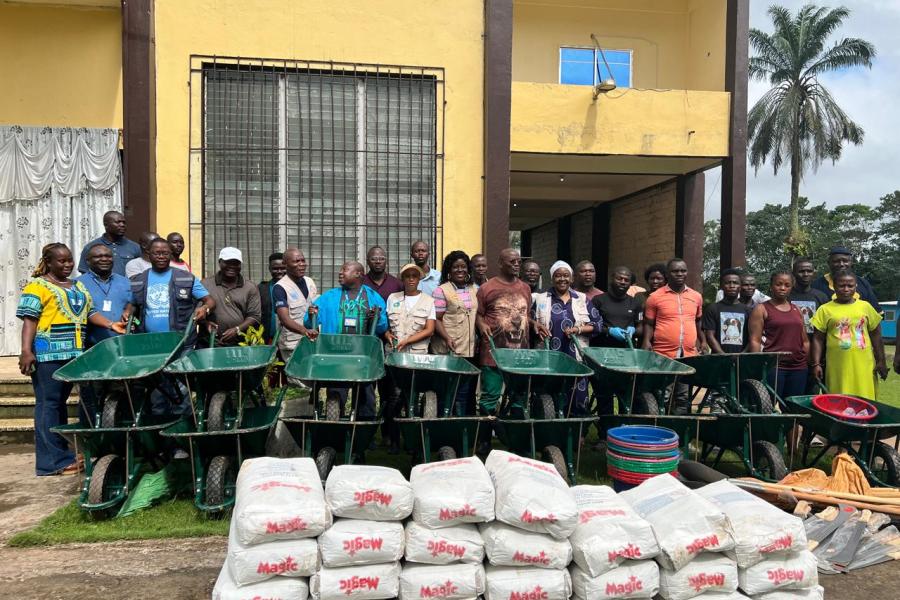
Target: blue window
(585, 66)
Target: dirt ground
(181, 569)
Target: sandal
(73, 469)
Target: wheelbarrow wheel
(645, 403)
(768, 460)
(107, 478)
(112, 407)
(886, 464)
(446, 453)
(554, 455)
(219, 405)
(325, 461)
(220, 480)
(548, 406)
(332, 407)
(430, 406)
(756, 397)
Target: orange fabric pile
(846, 477)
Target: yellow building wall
(552, 118)
(670, 39)
(60, 66)
(431, 33)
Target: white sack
(367, 582)
(287, 558)
(448, 582)
(507, 546)
(759, 529)
(706, 573)
(452, 492)
(631, 579)
(354, 542)
(685, 523)
(609, 531)
(368, 492)
(511, 583)
(812, 593)
(293, 588)
(793, 571)
(531, 495)
(460, 543)
(279, 499)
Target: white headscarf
(560, 264)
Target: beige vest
(458, 321)
(542, 304)
(405, 322)
(297, 307)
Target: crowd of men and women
(826, 328)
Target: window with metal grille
(329, 158)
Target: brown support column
(734, 168)
(139, 87)
(689, 200)
(498, 19)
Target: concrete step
(16, 386)
(19, 431)
(22, 407)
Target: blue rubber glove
(617, 333)
(630, 331)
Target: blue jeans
(51, 450)
(789, 383)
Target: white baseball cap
(229, 253)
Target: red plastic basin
(844, 407)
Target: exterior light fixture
(562, 178)
(605, 85)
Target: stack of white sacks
(541, 540)
(272, 548)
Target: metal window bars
(329, 157)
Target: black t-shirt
(730, 323)
(616, 312)
(808, 303)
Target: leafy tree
(798, 121)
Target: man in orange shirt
(672, 324)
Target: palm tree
(798, 120)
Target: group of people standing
(829, 321)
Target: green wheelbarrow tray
(216, 456)
(418, 373)
(229, 369)
(528, 373)
(717, 370)
(322, 439)
(132, 356)
(633, 369)
(130, 449)
(441, 435)
(337, 359)
(759, 441)
(554, 440)
(844, 434)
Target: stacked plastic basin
(635, 453)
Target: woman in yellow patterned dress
(55, 311)
(849, 330)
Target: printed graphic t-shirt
(156, 313)
(729, 323)
(504, 307)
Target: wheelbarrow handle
(822, 388)
(277, 336)
(374, 324)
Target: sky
(869, 97)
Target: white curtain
(55, 185)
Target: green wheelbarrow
(122, 438)
(348, 361)
(115, 459)
(863, 440)
(224, 429)
(545, 378)
(557, 441)
(636, 377)
(749, 414)
(428, 384)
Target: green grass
(889, 390)
(69, 524)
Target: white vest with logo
(297, 307)
(405, 322)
